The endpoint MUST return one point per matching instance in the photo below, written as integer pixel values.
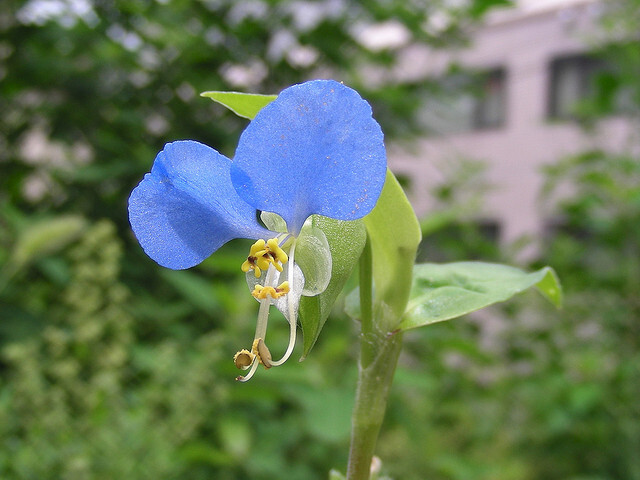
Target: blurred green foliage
(112, 367)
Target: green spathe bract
(346, 240)
(394, 233)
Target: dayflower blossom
(315, 150)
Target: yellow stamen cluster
(262, 254)
(261, 292)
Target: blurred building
(532, 67)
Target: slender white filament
(254, 367)
(292, 309)
(265, 303)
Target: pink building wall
(522, 41)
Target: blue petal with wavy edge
(186, 208)
(316, 149)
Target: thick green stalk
(374, 383)
(379, 352)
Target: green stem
(374, 383)
(379, 353)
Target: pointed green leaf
(346, 241)
(394, 232)
(39, 239)
(46, 237)
(445, 291)
(246, 105)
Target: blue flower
(315, 150)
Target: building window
(572, 80)
(464, 102)
(490, 108)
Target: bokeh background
(113, 367)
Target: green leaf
(246, 105)
(445, 291)
(394, 232)
(46, 237)
(39, 239)
(346, 241)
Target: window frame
(587, 66)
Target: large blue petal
(186, 208)
(314, 150)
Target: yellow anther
(257, 259)
(282, 289)
(262, 254)
(261, 292)
(258, 292)
(255, 264)
(277, 253)
(249, 264)
(243, 359)
(260, 350)
(257, 247)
